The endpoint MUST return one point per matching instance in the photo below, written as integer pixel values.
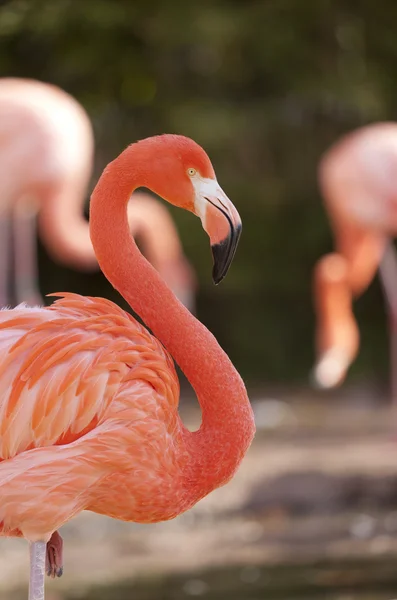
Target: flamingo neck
(64, 229)
(216, 449)
(337, 331)
(333, 295)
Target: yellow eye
(191, 172)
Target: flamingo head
(181, 173)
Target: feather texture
(78, 380)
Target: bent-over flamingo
(89, 398)
(358, 182)
(46, 145)
(46, 156)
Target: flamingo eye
(191, 172)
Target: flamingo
(89, 398)
(357, 181)
(46, 156)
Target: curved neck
(333, 301)
(227, 429)
(362, 248)
(151, 224)
(363, 251)
(64, 229)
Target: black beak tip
(223, 253)
(220, 254)
(217, 277)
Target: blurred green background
(265, 87)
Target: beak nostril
(219, 200)
(222, 204)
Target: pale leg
(25, 255)
(5, 258)
(388, 277)
(38, 552)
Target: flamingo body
(57, 135)
(357, 178)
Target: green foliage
(265, 87)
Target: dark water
(371, 580)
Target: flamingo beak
(221, 221)
(223, 251)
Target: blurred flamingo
(46, 146)
(89, 398)
(358, 182)
(46, 156)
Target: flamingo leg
(38, 552)
(54, 556)
(388, 277)
(5, 257)
(25, 255)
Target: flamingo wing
(83, 386)
(64, 366)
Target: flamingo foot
(54, 556)
(331, 369)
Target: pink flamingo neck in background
(64, 228)
(333, 298)
(151, 222)
(227, 429)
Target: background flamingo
(358, 182)
(89, 402)
(46, 155)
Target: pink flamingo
(89, 398)
(46, 157)
(357, 179)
